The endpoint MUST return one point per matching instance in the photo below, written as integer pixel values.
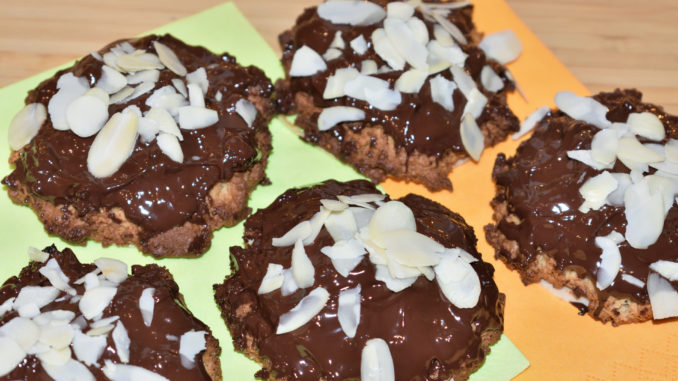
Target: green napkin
(293, 163)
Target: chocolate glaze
(155, 192)
(429, 338)
(541, 185)
(149, 347)
(418, 123)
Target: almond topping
(26, 124)
(169, 58)
(304, 311)
(114, 143)
(306, 62)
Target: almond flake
(341, 225)
(663, 297)
(121, 341)
(616, 198)
(191, 344)
(644, 215)
(332, 54)
(143, 76)
(11, 355)
(337, 41)
(443, 36)
(166, 98)
(273, 279)
(169, 58)
(6, 306)
(121, 95)
(632, 280)
(610, 259)
(604, 146)
(410, 248)
(475, 104)
(348, 310)
(445, 55)
(113, 144)
(331, 116)
(55, 357)
(164, 122)
(383, 274)
(393, 215)
(359, 45)
(333, 205)
(69, 88)
(140, 90)
(169, 145)
(37, 255)
(458, 281)
(316, 222)
(351, 12)
(348, 249)
(199, 77)
(399, 10)
(334, 88)
(299, 231)
(345, 266)
(246, 110)
(419, 30)
(111, 80)
(87, 114)
(88, 349)
(405, 43)
(667, 269)
(193, 118)
(26, 124)
(630, 151)
(490, 80)
(302, 268)
(584, 109)
(471, 137)
(304, 311)
(70, 370)
(503, 46)
(596, 190)
(38, 296)
(368, 67)
(22, 331)
(134, 62)
(442, 90)
(147, 305)
(386, 50)
(148, 129)
(383, 98)
(56, 276)
(195, 97)
(95, 301)
(452, 29)
(180, 86)
(647, 125)
(463, 80)
(376, 363)
(411, 81)
(289, 285)
(531, 121)
(306, 62)
(586, 157)
(118, 372)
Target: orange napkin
(560, 344)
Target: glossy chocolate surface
(418, 123)
(541, 185)
(426, 334)
(155, 192)
(150, 347)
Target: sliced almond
(140, 89)
(306, 62)
(345, 266)
(22, 331)
(37, 255)
(503, 46)
(445, 55)
(180, 86)
(88, 349)
(471, 137)
(119, 372)
(334, 88)
(169, 58)
(596, 190)
(463, 80)
(54, 357)
(644, 215)
(386, 50)
(289, 285)
(147, 305)
(121, 341)
(191, 344)
(273, 279)
(442, 90)
(582, 108)
(331, 116)
(111, 80)
(333, 205)
(399, 10)
(458, 281)
(349, 249)
(663, 297)
(69, 88)
(169, 145)
(376, 363)
(316, 223)
(100, 330)
(246, 110)
(56, 276)
(393, 215)
(410, 248)
(195, 96)
(134, 62)
(164, 122)
(166, 98)
(351, 12)
(368, 67)
(11, 355)
(332, 54)
(443, 36)
(143, 76)
(632, 280)
(113, 144)
(604, 146)
(39, 296)
(404, 41)
(304, 311)
(26, 124)
(87, 114)
(490, 80)
(383, 274)
(337, 41)
(193, 118)
(419, 30)
(475, 103)
(531, 121)
(95, 300)
(199, 77)
(302, 268)
(359, 45)
(452, 29)
(121, 95)
(348, 310)
(616, 198)
(667, 269)
(399, 271)
(383, 99)
(610, 259)
(647, 125)
(299, 231)
(411, 81)
(629, 150)
(341, 225)
(586, 157)
(70, 370)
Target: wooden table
(606, 43)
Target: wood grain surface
(605, 43)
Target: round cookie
(387, 87)
(149, 142)
(588, 203)
(308, 252)
(63, 320)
